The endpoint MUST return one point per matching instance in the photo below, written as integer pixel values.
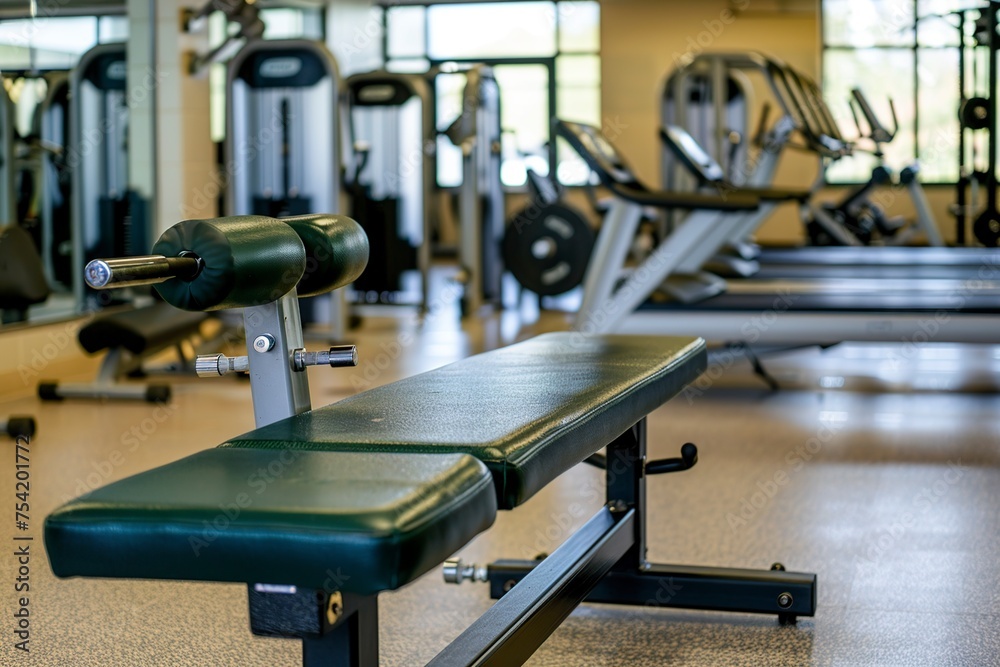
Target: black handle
(686, 461)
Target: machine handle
(145, 270)
(880, 134)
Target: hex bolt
(263, 343)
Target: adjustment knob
(209, 365)
(337, 356)
(214, 365)
(455, 572)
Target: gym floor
(889, 497)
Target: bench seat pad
(142, 330)
(324, 520)
(529, 411)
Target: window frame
(915, 48)
(549, 62)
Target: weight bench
(129, 338)
(321, 510)
(22, 285)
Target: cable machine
(109, 219)
(391, 180)
(283, 143)
(476, 132)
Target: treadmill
(834, 263)
(618, 297)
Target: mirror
(63, 157)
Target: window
(55, 43)
(907, 50)
(546, 59)
(31, 47)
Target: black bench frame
(604, 561)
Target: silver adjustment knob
(338, 356)
(455, 572)
(215, 365)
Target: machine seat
(22, 278)
(141, 331)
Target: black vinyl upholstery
(141, 330)
(22, 278)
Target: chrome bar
(145, 270)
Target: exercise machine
(22, 277)
(283, 138)
(811, 263)
(128, 339)
(857, 212)
(391, 182)
(689, 281)
(977, 124)
(547, 244)
(109, 218)
(751, 312)
(388, 484)
(7, 134)
(711, 97)
(22, 284)
(283, 141)
(476, 132)
(52, 127)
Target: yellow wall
(641, 40)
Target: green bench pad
(325, 520)
(529, 411)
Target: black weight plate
(975, 113)
(987, 228)
(547, 248)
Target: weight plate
(987, 228)
(975, 113)
(547, 248)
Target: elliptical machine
(857, 213)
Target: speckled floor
(890, 498)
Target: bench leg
(786, 594)
(352, 641)
(335, 628)
(635, 581)
(513, 628)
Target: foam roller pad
(250, 260)
(336, 251)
